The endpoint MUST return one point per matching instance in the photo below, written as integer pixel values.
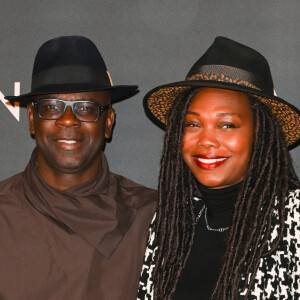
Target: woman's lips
(209, 162)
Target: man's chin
(68, 163)
(70, 167)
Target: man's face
(69, 146)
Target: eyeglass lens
(53, 109)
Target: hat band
(69, 75)
(226, 74)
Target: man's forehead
(101, 97)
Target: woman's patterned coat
(278, 275)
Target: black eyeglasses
(83, 110)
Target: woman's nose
(208, 139)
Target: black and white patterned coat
(278, 275)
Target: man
(70, 229)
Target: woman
(228, 222)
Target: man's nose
(68, 119)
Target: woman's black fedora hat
(71, 64)
(228, 65)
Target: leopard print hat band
(228, 65)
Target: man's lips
(68, 144)
(209, 162)
(67, 141)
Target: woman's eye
(191, 125)
(228, 125)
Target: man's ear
(110, 120)
(30, 113)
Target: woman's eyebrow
(192, 113)
(221, 114)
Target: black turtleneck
(200, 275)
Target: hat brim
(159, 101)
(117, 92)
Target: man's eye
(83, 109)
(86, 109)
(50, 107)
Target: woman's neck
(220, 203)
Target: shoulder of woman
(293, 205)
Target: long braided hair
(269, 176)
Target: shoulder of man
(8, 185)
(135, 194)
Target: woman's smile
(207, 162)
(218, 135)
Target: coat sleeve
(145, 291)
(278, 275)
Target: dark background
(144, 42)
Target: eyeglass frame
(70, 104)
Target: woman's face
(218, 137)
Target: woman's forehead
(213, 98)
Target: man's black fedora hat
(228, 65)
(71, 64)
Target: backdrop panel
(144, 42)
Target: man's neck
(62, 181)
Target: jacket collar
(89, 210)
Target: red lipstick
(209, 162)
